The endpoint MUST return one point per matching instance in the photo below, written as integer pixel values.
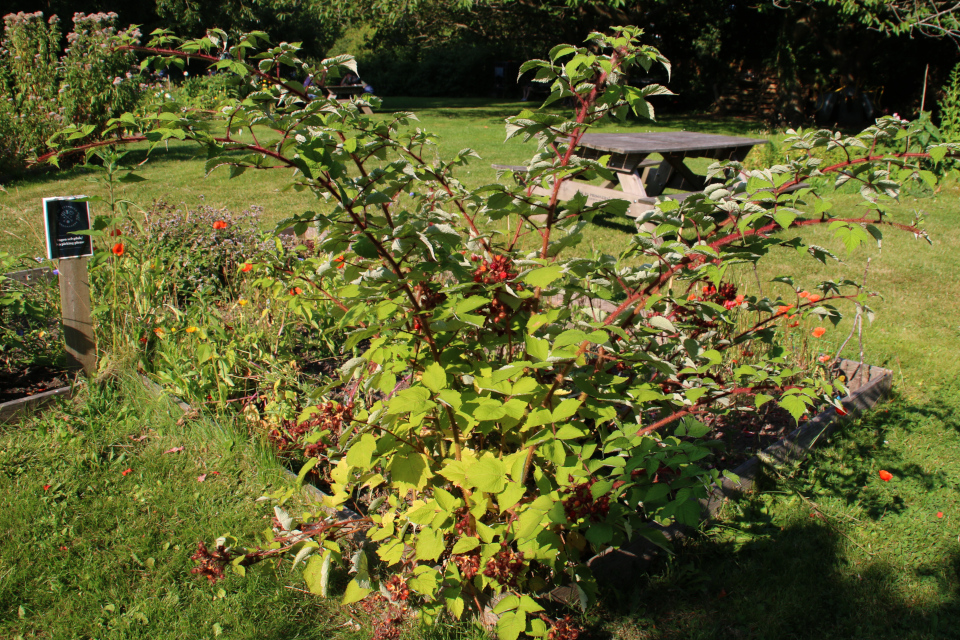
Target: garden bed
(867, 384)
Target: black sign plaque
(63, 217)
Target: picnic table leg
(686, 179)
(632, 184)
(657, 180)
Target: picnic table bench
(641, 180)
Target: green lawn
(98, 525)
(826, 551)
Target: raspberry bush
(494, 433)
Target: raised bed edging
(617, 567)
(15, 408)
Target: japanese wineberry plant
(514, 410)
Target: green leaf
(465, 544)
(544, 276)
(661, 322)
(411, 400)
(317, 574)
(412, 470)
(761, 398)
(510, 496)
(429, 544)
(511, 625)
(795, 405)
(354, 593)
(537, 348)
(488, 474)
(305, 469)
(489, 409)
(434, 377)
(361, 453)
(565, 409)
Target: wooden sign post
(62, 218)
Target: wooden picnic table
(344, 93)
(641, 179)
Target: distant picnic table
(345, 92)
(641, 179)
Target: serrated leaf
(410, 469)
(488, 474)
(465, 544)
(285, 520)
(361, 452)
(308, 550)
(429, 544)
(511, 625)
(510, 496)
(543, 276)
(434, 377)
(660, 322)
(317, 574)
(354, 593)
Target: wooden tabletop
(663, 142)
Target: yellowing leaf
(488, 474)
(354, 593)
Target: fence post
(77, 321)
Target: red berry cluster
(211, 564)
(330, 416)
(564, 629)
(469, 565)
(726, 295)
(499, 269)
(389, 617)
(465, 524)
(581, 504)
(505, 566)
(397, 588)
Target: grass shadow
(759, 580)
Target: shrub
(43, 91)
(494, 434)
(950, 107)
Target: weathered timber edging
(15, 408)
(868, 385)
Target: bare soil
(21, 383)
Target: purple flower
(56, 272)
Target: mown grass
(827, 550)
(90, 552)
(175, 172)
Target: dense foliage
(512, 411)
(44, 90)
(726, 55)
